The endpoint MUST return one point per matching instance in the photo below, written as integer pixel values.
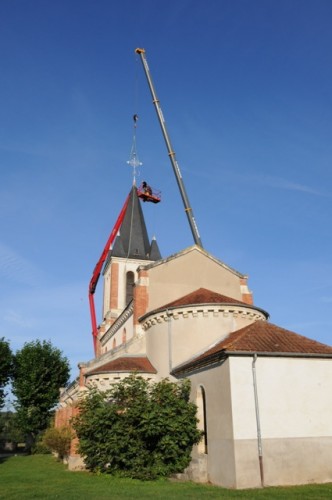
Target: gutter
(272, 354)
(169, 335)
(223, 354)
(258, 423)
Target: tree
(39, 371)
(6, 365)
(138, 428)
(9, 428)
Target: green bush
(138, 429)
(39, 447)
(58, 440)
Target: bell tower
(131, 249)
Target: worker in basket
(146, 188)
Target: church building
(263, 393)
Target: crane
(145, 195)
(171, 153)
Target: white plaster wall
(295, 409)
(158, 348)
(295, 406)
(294, 397)
(243, 402)
(220, 452)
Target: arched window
(114, 343)
(124, 336)
(201, 415)
(130, 280)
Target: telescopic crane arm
(171, 153)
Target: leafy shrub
(138, 429)
(39, 447)
(58, 440)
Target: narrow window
(201, 415)
(124, 336)
(130, 279)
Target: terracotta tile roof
(261, 337)
(203, 296)
(125, 364)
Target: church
(263, 393)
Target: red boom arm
(97, 271)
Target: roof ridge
(202, 290)
(123, 363)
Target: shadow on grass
(5, 456)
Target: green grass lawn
(41, 476)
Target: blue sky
(245, 87)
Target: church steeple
(133, 241)
(130, 250)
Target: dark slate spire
(118, 249)
(154, 250)
(133, 241)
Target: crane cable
(133, 159)
(131, 225)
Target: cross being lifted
(144, 192)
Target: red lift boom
(98, 269)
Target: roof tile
(125, 364)
(203, 296)
(263, 337)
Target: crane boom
(171, 153)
